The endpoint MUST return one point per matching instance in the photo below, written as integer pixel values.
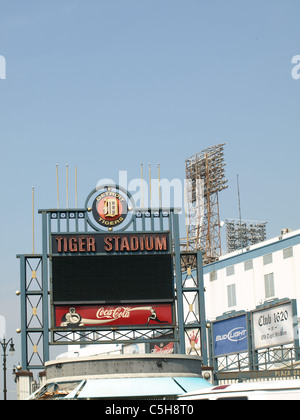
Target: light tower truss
(244, 233)
(205, 178)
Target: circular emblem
(110, 208)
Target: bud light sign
(230, 336)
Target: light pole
(4, 345)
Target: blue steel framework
(35, 290)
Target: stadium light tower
(243, 233)
(205, 175)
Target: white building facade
(247, 278)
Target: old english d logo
(109, 208)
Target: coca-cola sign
(116, 315)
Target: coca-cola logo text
(114, 313)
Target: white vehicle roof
(247, 387)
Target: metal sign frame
(36, 333)
(231, 361)
(255, 360)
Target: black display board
(112, 279)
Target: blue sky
(106, 85)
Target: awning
(140, 387)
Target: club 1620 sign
(273, 326)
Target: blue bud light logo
(230, 336)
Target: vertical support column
(24, 355)
(202, 313)
(24, 381)
(45, 287)
(252, 354)
(180, 312)
(212, 360)
(296, 330)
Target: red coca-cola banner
(116, 315)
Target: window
(288, 253)
(213, 275)
(269, 285)
(230, 271)
(231, 293)
(248, 265)
(268, 259)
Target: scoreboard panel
(112, 279)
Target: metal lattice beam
(194, 318)
(32, 297)
(111, 336)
